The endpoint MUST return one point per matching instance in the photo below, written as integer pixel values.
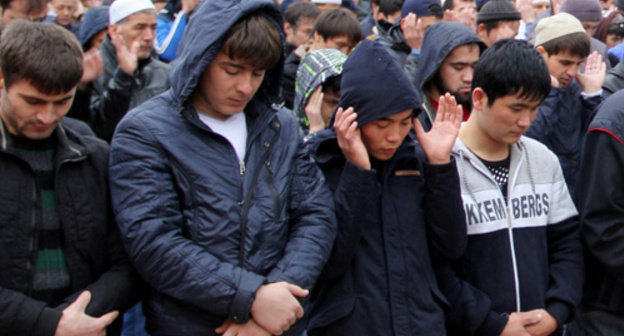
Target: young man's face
(65, 11)
(456, 71)
(383, 137)
(506, 119)
(26, 112)
(226, 86)
(590, 27)
(329, 104)
(139, 27)
(302, 33)
(18, 9)
(340, 42)
(563, 66)
(504, 30)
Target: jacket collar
(68, 148)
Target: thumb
(530, 318)
(108, 318)
(297, 291)
(82, 301)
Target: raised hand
(276, 308)
(92, 66)
(595, 71)
(349, 138)
(251, 328)
(128, 59)
(189, 5)
(313, 110)
(413, 31)
(438, 142)
(75, 322)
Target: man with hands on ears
(397, 203)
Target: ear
(318, 37)
(542, 51)
(112, 29)
(1, 81)
(380, 16)
(481, 30)
(287, 28)
(479, 99)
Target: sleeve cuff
(240, 311)
(122, 81)
(560, 311)
(47, 322)
(493, 325)
(436, 173)
(592, 94)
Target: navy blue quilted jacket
(203, 231)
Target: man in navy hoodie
(222, 211)
(397, 203)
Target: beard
(463, 98)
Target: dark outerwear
(561, 123)
(600, 198)
(116, 92)
(392, 220)
(94, 253)
(204, 230)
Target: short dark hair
(300, 10)
(338, 22)
(389, 7)
(576, 44)
(489, 25)
(448, 4)
(530, 78)
(30, 4)
(255, 39)
(332, 84)
(46, 55)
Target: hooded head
(382, 90)
(315, 68)
(203, 39)
(94, 21)
(439, 43)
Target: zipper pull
(241, 166)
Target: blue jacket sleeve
(148, 213)
(168, 35)
(312, 224)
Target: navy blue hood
(381, 90)
(203, 38)
(439, 40)
(94, 21)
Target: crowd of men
(323, 167)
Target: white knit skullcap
(121, 9)
(555, 26)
